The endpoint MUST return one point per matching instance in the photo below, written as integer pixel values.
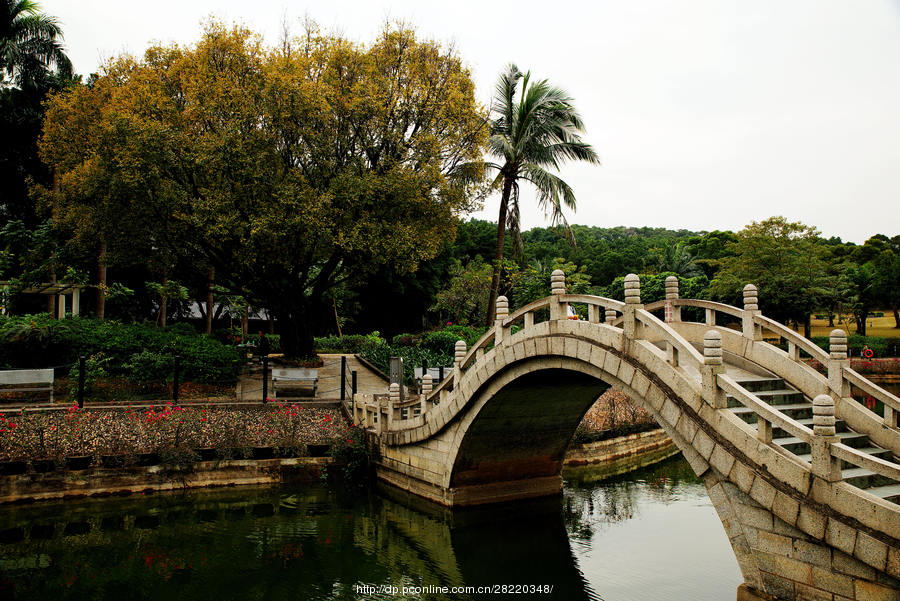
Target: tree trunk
(861, 323)
(51, 298)
(807, 326)
(896, 316)
(162, 298)
(101, 280)
(245, 320)
(296, 334)
(498, 254)
(209, 300)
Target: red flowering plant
(11, 439)
(79, 432)
(350, 454)
(287, 419)
(171, 433)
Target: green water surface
(652, 534)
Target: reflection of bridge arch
(790, 496)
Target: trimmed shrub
(881, 347)
(353, 343)
(141, 352)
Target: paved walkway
(368, 381)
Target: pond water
(652, 534)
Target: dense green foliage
(436, 348)
(139, 352)
(880, 346)
(292, 171)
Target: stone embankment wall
(623, 454)
(618, 455)
(100, 482)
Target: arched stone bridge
(804, 478)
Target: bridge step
(889, 492)
(865, 479)
(776, 398)
(849, 438)
(762, 383)
(746, 411)
(870, 450)
(839, 425)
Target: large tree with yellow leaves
(289, 171)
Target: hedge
(142, 352)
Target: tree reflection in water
(318, 543)
(588, 506)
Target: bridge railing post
(837, 361)
(673, 313)
(632, 304)
(609, 315)
(426, 390)
(371, 413)
(385, 425)
(458, 356)
(558, 310)
(824, 464)
(751, 309)
(711, 368)
(501, 313)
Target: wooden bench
(292, 376)
(27, 380)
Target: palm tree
(676, 258)
(531, 136)
(30, 44)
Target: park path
(368, 381)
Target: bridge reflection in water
(318, 544)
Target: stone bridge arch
(798, 531)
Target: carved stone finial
(460, 350)
(671, 287)
(502, 308)
(632, 289)
(751, 298)
(427, 384)
(557, 282)
(394, 393)
(823, 415)
(837, 344)
(712, 348)
(610, 315)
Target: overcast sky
(706, 114)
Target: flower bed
(173, 433)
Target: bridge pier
(780, 561)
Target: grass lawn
(877, 326)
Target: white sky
(707, 114)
